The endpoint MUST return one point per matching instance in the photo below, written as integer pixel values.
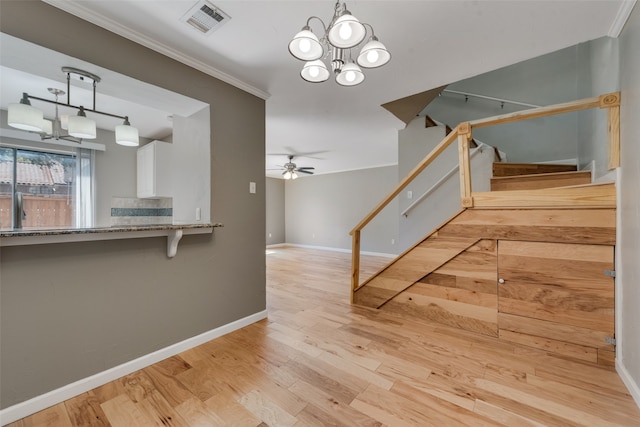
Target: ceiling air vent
(205, 17)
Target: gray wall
(629, 225)
(545, 80)
(598, 73)
(72, 310)
(274, 193)
(321, 210)
(414, 143)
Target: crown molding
(82, 12)
(621, 18)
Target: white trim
(82, 12)
(346, 251)
(559, 162)
(621, 18)
(276, 245)
(627, 379)
(38, 403)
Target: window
(42, 190)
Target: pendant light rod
(74, 106)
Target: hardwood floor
(319, 361)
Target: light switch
(409, 194)
(252, 187)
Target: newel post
(355, 263)
(464, 136)
(612, 102)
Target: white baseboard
(38, 403)
(276, 245)
(346, 251)
(628, 380)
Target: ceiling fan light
(351, 75)
(287, 175)
(347, 31)
(373, 54)
(82, 127)
(315, 71)
(294, 175)
(127, 135)
(25, 117)
(305, 45)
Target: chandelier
(26, 117)
(343, 33)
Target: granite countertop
(114, 229)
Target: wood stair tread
(510, 169)
(540, 180)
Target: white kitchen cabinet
(154, 170)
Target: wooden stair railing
(463, 134)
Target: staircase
(451, 276)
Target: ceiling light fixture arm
(77, 107)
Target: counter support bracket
(173, 238)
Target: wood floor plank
(319, 361)
(231, 411)
(122, 412)
(85, 410)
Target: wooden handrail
(437, 150)
(463, 132)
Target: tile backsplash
(132, 211)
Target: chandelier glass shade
(79, 127)
(343, 33)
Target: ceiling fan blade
(304, 171)
(306, 167)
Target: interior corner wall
(415, 141)
(321, 210)
(598, 73)
(629, 204)
(545, 80)
(72, 310)
(274, 192)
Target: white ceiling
(432, 43)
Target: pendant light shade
(347, 31)
(82, 127)
(350, 75)
(47, 127)
(315, 71)
(126, 134)
(25, 117)
(373, 54)
(305, 45)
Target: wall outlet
(313, 236)
(269, 235)
(393, 241)
(409, 194)
(252, 187)
(198, 214)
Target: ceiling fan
(291, 169)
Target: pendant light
(25, 117)
(82, 127)
(343, 33)
(126, 134)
